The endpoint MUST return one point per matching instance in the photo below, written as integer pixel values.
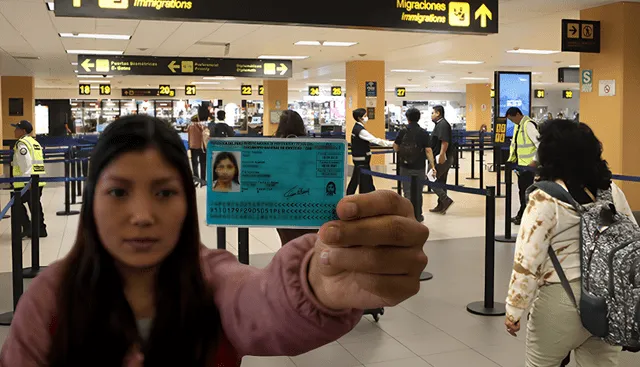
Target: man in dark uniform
(361, 153)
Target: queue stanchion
(243, 245)
(73, 174)
(399, 183)
(497, 161)
(489, 307)
(78, 174)
(481, 159)
(414, 192)
(35, 268)
(16, 257)
(457, 163)
(508, 177)
(222, 238)
(67, 190)
(473, 161)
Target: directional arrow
(573, 30)
(483, 13)
(87, 65)
(282, 69)
(173, 67)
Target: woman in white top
(571, 155)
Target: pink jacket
(264, 312)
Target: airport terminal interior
(73, 67)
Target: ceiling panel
(184, 37)
(150, 35)
(228, 33)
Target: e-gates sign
(466, 16)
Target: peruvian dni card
(268, 182)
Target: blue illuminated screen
(515, 91)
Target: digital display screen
(515, 91)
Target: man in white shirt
(361, 153)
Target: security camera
(433, 77)
(104, 75)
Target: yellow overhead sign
(483, 13)
(190, 90)
(246, 90)
(401, 92)
(105, 90)
(85, 89)
(261, 90)
(314, 91)
(336, 91)
(165, 90)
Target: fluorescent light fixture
(94, 76)
(461, 62)
(278, 57)
(533, 52)
(219, 78)
(542, 83)
(74, 63)
(338, 80)
(96, 36)
(308, 43)
(474, 78)
(207, 83)
(574, 66)
(75, 71)
(95, 81)
(407, 71)
(536, 73)
(94, 52)
(442, 82)
(51, 6)
(409, 85)
(338, 44)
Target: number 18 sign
(283, 183)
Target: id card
(268, 182)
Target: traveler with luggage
(219, 128)
(577, 256)
(412, 145)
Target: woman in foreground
(139, 288)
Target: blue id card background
(284, 183)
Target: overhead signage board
(539, 93)
(401, 92)
(299, 185)
(580, 36)
(84, 89)
(567, 94)
(105, 89)
(246, 90)
(314, 91)
(190, 90)
(132, 92)
(164, 90)
(336, 91)
(468, 16)
(191, 66)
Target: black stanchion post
(73, 174)
(399, 187)
(489, 307)
(508, 178)
(222, 238)
(457, 163)
(78, 172)
(243, 245)
(481, 159)
(414, 192)
(67, 188)
(473, 161)
(497, 161)
(35, 268)
(16, 257)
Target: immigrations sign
(196, 66)
(466, 16)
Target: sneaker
(437, 209)
(446, 205)
(516, 220)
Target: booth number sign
(190, 90)
(336, 91)
(401, 92)
(85, 89)
(261, 90)
(246, 90)
(165, 90)
(105, 90)
(501, 132)
(314, 91)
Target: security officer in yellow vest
(523, 152)
(28, 159)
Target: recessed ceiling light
(75, 71)
(94, 52)
(338, 44)
(219, 78)
(277, 57)
(74, 63)
(461, 62)
(209, 83)
(406, 71)
(308, 43)
(536, 73)
(533, 52)
(94, 76)
(95, 81)
(442, 81)
(474, 78)
(542, 83)
(51, 6)
(409, 85)
(574, 66)
(338, 80)
(96, 36)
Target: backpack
(610, 268)
(222, 130)
(409, 152)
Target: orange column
(614, 118)
(358, 74)
(16, 87)
(276, 98)
(478, 106)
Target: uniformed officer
(361, 153)
(28, 159)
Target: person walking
(524, 147)
(195, 133)
(28, 159)
(442, 147)
(219, 128)
(361, 141)
(412, 145)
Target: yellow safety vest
(37, 160)
(522, 148)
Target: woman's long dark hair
(221, 157)
(94, 324)
(291, 123)
(570, 151)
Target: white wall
(555, 103)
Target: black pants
(199, 158)
(25, 222)
(365, 182)
(441, 177)
(525, 179)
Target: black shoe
(43, 233)
(421, 218)
(25, 234)
(516, 220)
(446, 205)
(437, 209)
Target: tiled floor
(432, 329)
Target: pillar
(21, 87)
(478, 106)
(276, 98)
(358, 74)
(614, 119)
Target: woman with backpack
(550, 236)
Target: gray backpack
(610, 267)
